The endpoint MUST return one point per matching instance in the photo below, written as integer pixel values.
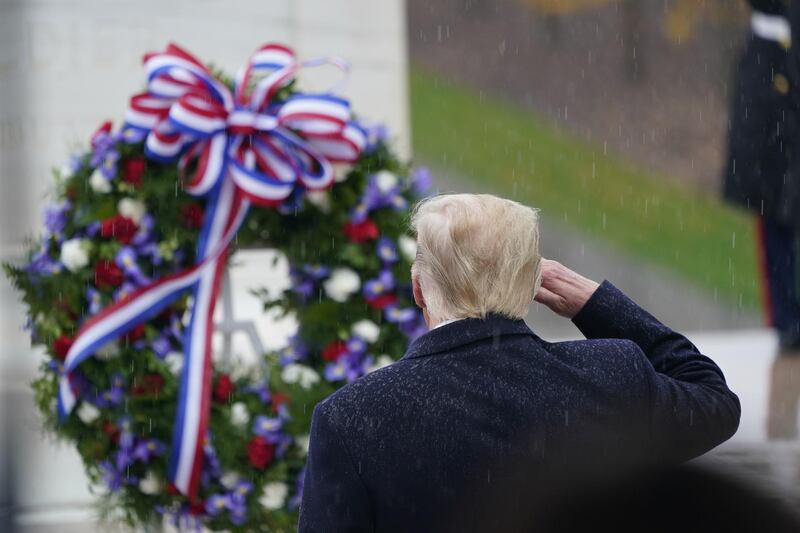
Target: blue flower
(293, 352)
(268, 427)
(421, 180)
(396, 315)
(387, 251)
(95, 299)
(379, 286)
(55, 219)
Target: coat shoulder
(367, 393)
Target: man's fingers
(547, 297)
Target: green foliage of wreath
(122, 426)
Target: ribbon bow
(244, 147)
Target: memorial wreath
(122, 284)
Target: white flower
(229, 479)
(88, 413)
(132, 209)
(382, 362)
(321, 199)
(239, 414)
(75, 254)
(302, 442)
(306, 376)
(65, 172)
(340, 171)
(150, 484)
(408, 247)
(341, 284)
(274, 496)
(385, 181)
(174, 361)
(367, 330)
(108, 351)
(99, 183)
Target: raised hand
(564, 291)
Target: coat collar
(466, 331)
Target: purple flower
(151, 251)
(105, 154)
(132, 135)
(336, 371)
(316, 272)
(268, 427)
(359, 213)
(211, 463)
(95, 299)
(421, 180)
(55, 219)
(217, 503)
(92, 229)
(376, 134)
(41, 264)
(127, 260)
(161, 346)
(75, 163)
(293, 352)
(351, 365)
(124, 290)
(376, 198)
(387, 251)
(114, 395)
(260, 390)
(414, 328)
(176, 328)
(305, 279)
(379, 286)
(111, 476)
(146, 449)
(356, 345)
(396, 315)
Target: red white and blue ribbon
(244, 147)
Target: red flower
(260, 453)
(119, 227)
(132, 170)
(111, 430)
(172, 490)
(380, 302)
(107, 274)
(197, 508)
(334, 351)
(279, 399)
(150, 385)
(223, 388)
(62, 345)
(192, 215)
(135, 334)
(361, 232)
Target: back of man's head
(476, 254)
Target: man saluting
(481, 416)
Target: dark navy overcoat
(481, 416)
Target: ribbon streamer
(244, 147)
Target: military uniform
(763, 164)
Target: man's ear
(418, 298)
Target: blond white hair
(476, 254)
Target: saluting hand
(565, 292)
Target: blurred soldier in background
(762, 143)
